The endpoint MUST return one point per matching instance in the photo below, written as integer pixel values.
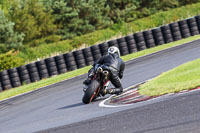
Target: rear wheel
(90, 93)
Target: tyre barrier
(60, 63)
(185, 32)
(42, 69)
(5, 80)
(132, 46)
(14, 77)
(88, 56)
(104, 48)
(70, 61)
(123, 46)
(140, 41)
(51, 66)
(96, 53)
(24, 75)
(175, 31)
(198, 22)
(1, 88)
(192, 23)
(80, 58)
(33, 72)
(113, 43)
(158, 37)
(149, 39)
(167, 34)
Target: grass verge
(184, 77)
(68, 75)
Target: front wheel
(90, 92)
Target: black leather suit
(117, 66)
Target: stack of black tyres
(185, 32)
(33, 72)
(140, 41)
(158, 37)
(51, 66)
(104, 48)
(5, 80)
(130, 40)
(113, 43)
(42, 69)
(167, 35)
(192, 23)
(79, 58)
(24, 75)
(60, 63)
(148, 36)
(175, 31)
(96, 53)
(70, 61)
(1, 88)
(123, 46)
(14, 77)
(198, 21)
(88, 56)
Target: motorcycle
(99, 82)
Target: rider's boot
(103, 92)
(114, 91)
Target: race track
(58, 108)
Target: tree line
(34, 22)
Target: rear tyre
(90, 92)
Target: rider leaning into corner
(116, 66)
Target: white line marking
(102, 104)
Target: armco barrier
(70, 61)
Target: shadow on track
(73, 105)
(81, 104)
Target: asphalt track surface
(58, 108)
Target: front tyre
(90, 92)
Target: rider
(116, 66)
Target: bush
(10, 60)
(8, 36)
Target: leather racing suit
(117, 66)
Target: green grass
(184, 77)
(45, 82)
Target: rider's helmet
(113, 50)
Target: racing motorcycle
(99, 82)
